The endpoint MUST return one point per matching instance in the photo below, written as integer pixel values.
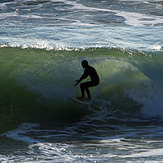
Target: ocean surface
(42, 44)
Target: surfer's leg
(82, 87)
(85, 87)
(88, 93)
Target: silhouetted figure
(89, 71)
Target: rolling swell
(36, 84)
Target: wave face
(36, 84)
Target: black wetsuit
(89, 71)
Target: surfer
(89, 71)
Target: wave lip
(123, 37)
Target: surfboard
(86, 102)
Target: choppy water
(42, 44)
(63, 23)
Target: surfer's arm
(78, 81)
(85, 75)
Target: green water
(35, 84)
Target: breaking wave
(36, 84)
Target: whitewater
(42, 44)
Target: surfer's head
(84, 63)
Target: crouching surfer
(88, 71)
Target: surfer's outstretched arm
(77, 82)
(85, 75)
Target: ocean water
(42, 44)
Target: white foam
(150, 96)
(137, 19)
(148, 153)
(157, 47)
(132, 18)
(17, 134)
